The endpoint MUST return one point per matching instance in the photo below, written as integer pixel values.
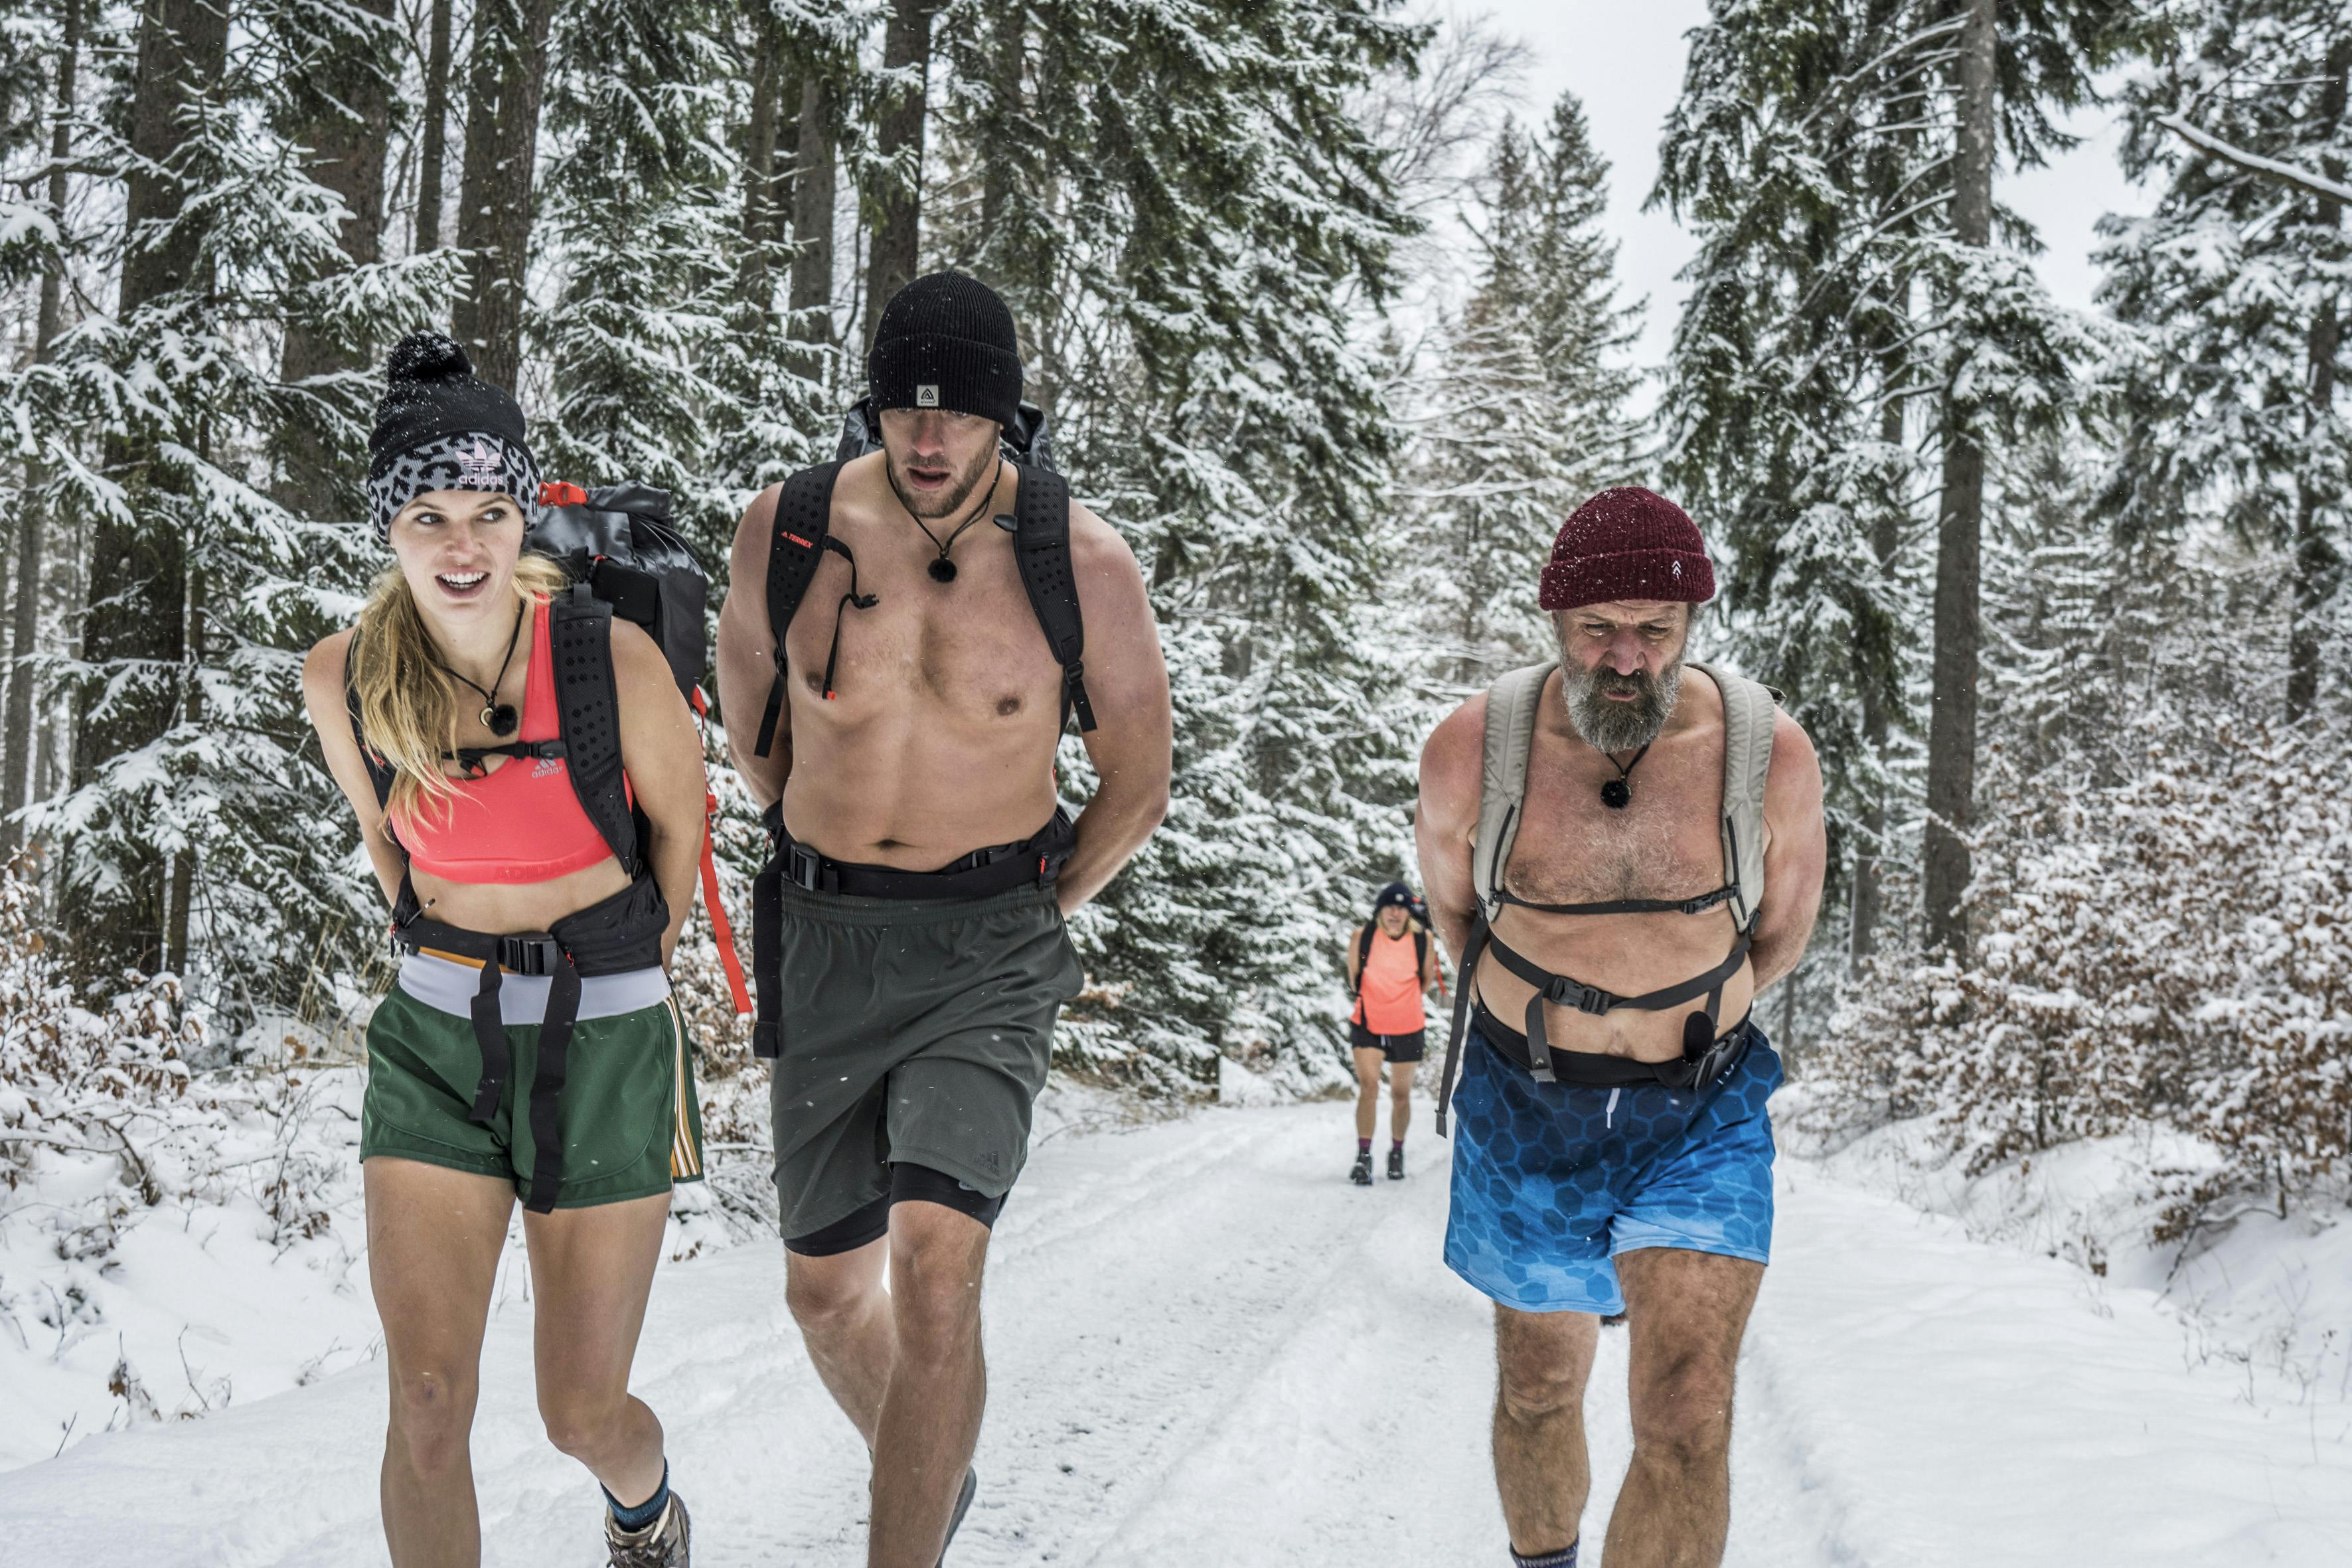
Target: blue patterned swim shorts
(1552, 1181)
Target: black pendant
(943, 570)
(1616, 795)
(501, 721)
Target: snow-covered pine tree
(1814, 151)
(1527, 415)
(640, 242)
(1198, 219)
(199, 834)
(2237, 283)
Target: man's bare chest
(970, 647)
(1666, 843)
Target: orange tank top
(522, 822)
(1390, 993)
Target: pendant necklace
(1618, 793)
(941, 569)
(498, 718)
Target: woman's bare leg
(1368, 1092)
(591, 1271)
(434, 1239)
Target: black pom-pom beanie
(439, 426)
(946, 340)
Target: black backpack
(1040, 524)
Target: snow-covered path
(1207, 1350)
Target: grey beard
(1612, 726)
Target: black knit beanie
(441, 428)
(946, 340)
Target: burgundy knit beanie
(1627, 544)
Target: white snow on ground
(1205, 1348)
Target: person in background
(1391, 964)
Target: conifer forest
(1331, 325)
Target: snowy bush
(2170, 948)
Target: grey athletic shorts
(914, 1031)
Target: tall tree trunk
(2318, 565)
(812, 196)
(434, 151)
(1870, 865)
(760, 192)
(503, 89)
(344, 115)
(183, 864)
(1010, 33)
(897, 205)
(1952, 723)
(137, 577)
(17, 742)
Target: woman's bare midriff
(507, 908)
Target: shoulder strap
(588, 714)
(1042, 546)
(804, 519)
(1420, 954)
(379, 772)
(1747, 716)
(1363, 958)
(1502, 776)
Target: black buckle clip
(537, 954)
(1583, 997)
(806, 870)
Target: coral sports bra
(520, 822)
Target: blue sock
(1563, 1558)
(636, 1519)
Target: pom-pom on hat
(1627, 544)
(439, 426)
(946, 340)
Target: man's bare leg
(1540, 1467)
(903, 1364)
(1687, 1311)
(843, 1314)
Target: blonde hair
(408, 700)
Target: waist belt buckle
(529, 954)
(802, 867)
(1583, 997)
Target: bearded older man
(1622, 857)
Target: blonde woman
(537, 840)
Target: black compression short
(871, 1223)
(1398, 1048)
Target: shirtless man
(1614, 1153)
(912, 954)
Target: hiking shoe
(963, 1505)
(1362, 1174)
(1396, 1164)
(661, 1544)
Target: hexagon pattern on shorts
(1553, 1180)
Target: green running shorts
(631, 1124)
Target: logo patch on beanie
(926, 394)
(1678, 570)
(480, 466)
